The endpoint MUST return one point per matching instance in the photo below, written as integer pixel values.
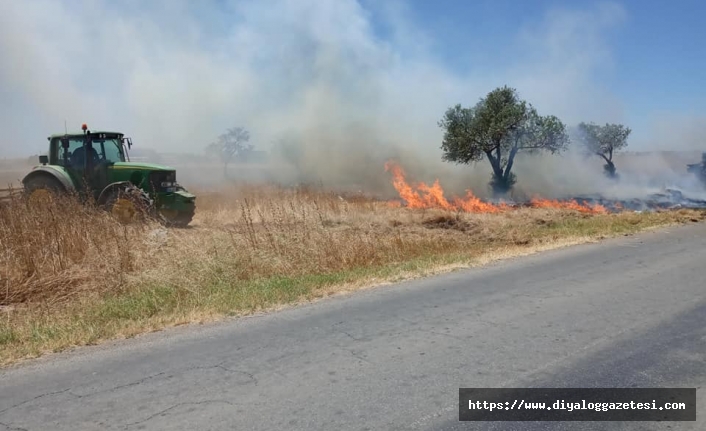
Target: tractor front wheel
(129, 204)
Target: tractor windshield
(74, 153)
(109, 150)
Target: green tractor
(96, 166)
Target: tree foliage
(231, 145)
(604, 141)
(498, 127)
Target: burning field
(72, 275)
(427, 197)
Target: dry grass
(73, 275)
(53, 251)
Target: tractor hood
(141, 166)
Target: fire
(538, 202)
(472, 204)
(425, 196)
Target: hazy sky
(173, 74)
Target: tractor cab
(82, 150)
(87, 156)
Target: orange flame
(539, 202)
(426, 196)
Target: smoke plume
(314, 81)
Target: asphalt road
(629, 312)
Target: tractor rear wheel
(129, 204)
(42, 189)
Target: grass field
(71, 275)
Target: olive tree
(498, 127)
(604, 141)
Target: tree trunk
(610, 170)
(510, 161)
(495, 164)
(499, 184)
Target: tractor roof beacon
(96, 166)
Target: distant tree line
(501, 125)
(497, 128)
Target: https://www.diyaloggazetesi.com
(571, 406)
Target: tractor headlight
(168, 186)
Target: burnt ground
(669, 199)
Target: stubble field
(72, 275)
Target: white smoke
(174, 74)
